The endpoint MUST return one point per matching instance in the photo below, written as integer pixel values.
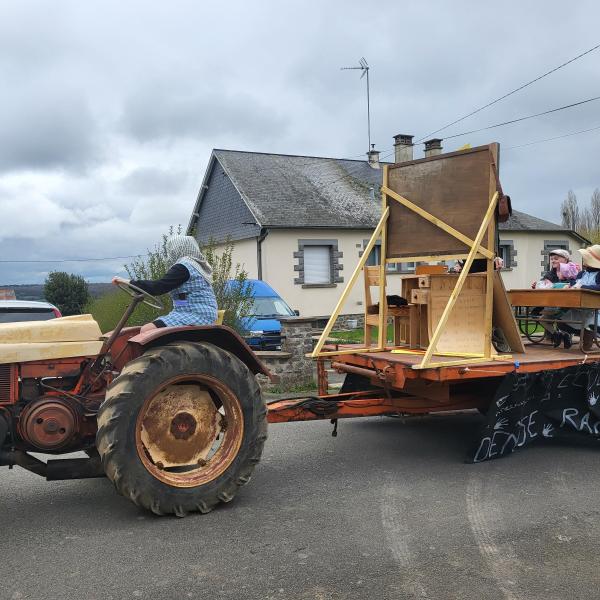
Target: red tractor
(173, 417)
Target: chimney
(403, 148)
(433, 147)
(373, 157)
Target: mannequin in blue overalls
(189, 283)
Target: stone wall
(291, 365)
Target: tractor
(173, 417)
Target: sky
(109, 110)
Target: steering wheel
(134, 290)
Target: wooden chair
(404, 318)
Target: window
(375, 259)
(507, 252)
(318, 263)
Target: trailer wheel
(182, 428)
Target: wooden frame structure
(450, 245)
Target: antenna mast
(364, 67)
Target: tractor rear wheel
(182, 428)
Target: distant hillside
(36, 291)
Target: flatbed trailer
(396, 387)
(436, 209)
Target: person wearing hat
(189, 283)
(588, 279)
(562, 270)
(562, 273)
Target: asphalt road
(385, 510)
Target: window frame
(335, 266)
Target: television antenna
(364, 67)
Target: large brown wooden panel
(455, 187)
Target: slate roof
(305, 191)
(520, 221)
(289, 191)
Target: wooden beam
(459, 284)
(361, 263)
(458, 363)
(430, 257)
(382, 333)
(340, 352)
(438, 222)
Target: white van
(12, 311)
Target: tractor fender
(219, 335)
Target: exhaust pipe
(53, 470)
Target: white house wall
(278, 270)
(244, 253)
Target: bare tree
(569, 209)
(595, 212)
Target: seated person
(188, 281)
(588, 279)
(562, 273)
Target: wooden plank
(457, 363)
(464, 331)
(350, 284)
(430, 269)
(454, 188)
(504, 317)
(459, 284)
(489, 290)
(434, 220)
(430, 257)
(565, 298)
(382, 332)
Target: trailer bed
(537, 357)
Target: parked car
(12, 311)
(263, 327)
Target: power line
(558, 137)
(546, 112)
(62, 260)
(510, 93)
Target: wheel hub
(180, 426)
(183, 426)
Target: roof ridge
(296, 155)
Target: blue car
(264, 328)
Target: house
(301, 223)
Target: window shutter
(317, 264)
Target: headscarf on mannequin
(185, 246)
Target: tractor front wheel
(182, 428)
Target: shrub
(68, 292)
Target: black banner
(532, 406)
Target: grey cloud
(47, 130)
(150, 181)
(161, 112)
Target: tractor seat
(27, 341)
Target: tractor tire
(162, 418)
